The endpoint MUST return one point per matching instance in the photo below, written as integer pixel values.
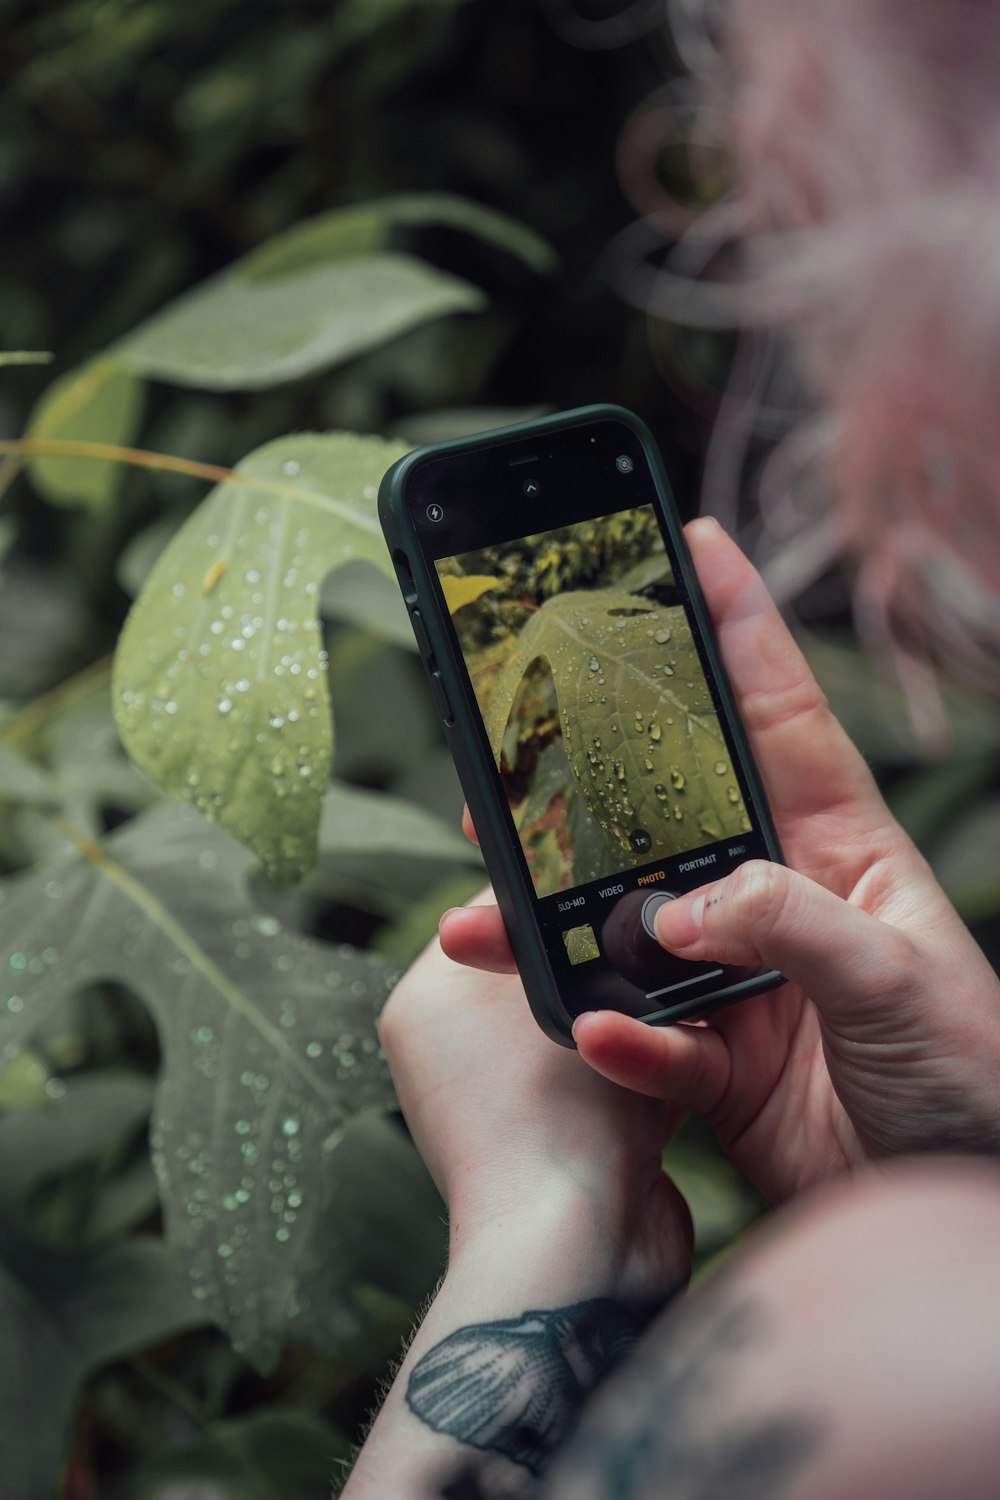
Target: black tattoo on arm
(515, 1387)
(667, 1432)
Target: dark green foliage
(249, 233)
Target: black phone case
(465, 734)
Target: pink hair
(866, 141)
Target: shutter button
(650, 907)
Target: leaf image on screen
(596, 708)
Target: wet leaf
(252, 326)
(458, 592)
(220, 682)
(638, 726)
(99, 403)
(267, 1040)
(62, 1316)
(382, 1223)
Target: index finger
(812, 772)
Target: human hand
(887, 1040)
(511, 1126)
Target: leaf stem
(140, 457)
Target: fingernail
(582, 1017)
(678, 923)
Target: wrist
(567, 1241)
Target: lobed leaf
(267, 1041)
(638, 725)
(382, 1224)
(220, 678)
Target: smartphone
(583, 697)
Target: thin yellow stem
(140, 457)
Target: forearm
(534, 1310)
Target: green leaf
(358, 594)
(245, 330)
(22, 781)
(366, 227)
(22, 1086)
(137, 557)
(220, 683)
(929, 800)
(267, 1040)
(552, 777)
(965, 861)
(63, 1316)
(269, 1455)
(873, 710)
(360, 822)
(638, 726)
(381, 1223)
(93, 1110)
(406, 937)
(99, 403)
(722, 1203)
(376, 688)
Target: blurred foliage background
(145, 147)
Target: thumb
(849, 962)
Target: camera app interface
(598, 712)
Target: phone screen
(604, 722)
(599, 714)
